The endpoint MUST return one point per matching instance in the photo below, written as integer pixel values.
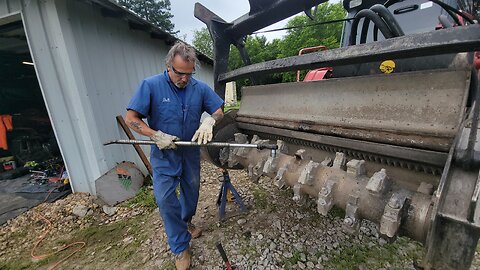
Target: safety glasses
(181, 74)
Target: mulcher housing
(400, 149)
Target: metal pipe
(261, 146)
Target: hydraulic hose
(370, 15)
(365, 26)
(387, 16)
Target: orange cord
(61, 248)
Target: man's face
(180, 71)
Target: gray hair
(185, 51)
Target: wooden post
(137, 147)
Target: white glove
(164, 140)
(204, 133)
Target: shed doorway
(31, 164)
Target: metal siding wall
(88, 67)
(205, 74)
(114, 59)
(10, 6)
(4, 8)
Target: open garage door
(31, 165)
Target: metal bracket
(272, 161)
(378, 183)
(351, 222)
(327, 162)
(340, 161)
(300, 154)
(325, 197)
(306, 176)
(255, 171)
(392, 215)
(234, 153)
(356, 167)
(279, 181)
(298, 197)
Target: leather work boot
(194, 231)
(182, 260)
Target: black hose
(375, 33)
(387, 16)
(368, 14)
(365, 26)
(454, 17)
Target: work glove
(164, 140)
(204, 133)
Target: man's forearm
(139, 126)
(218, 116)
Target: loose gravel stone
(275, 233)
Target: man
(173, 102)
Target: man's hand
(204, 133)
(164, 140)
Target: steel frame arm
(452, 40)
(262, 13)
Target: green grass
(260, 197)
(97, 238)
(144, 198)
(391, 254)
(111, 235)
(15, 265)
(290, 263)
(236, 107)
(295, 258)
(337, 212)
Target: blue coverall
(175, 113)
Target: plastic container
(9, 165)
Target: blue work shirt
(157, 98)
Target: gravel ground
(274, 234)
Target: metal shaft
(273, 147)
(187, 143)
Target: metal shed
(89, 56)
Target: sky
(182, 11)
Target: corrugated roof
(112, 9)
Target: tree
(203, 42)
(154, 11)
(259, 50)
(308, 36)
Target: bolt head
(394, 203)
(322, 202)
(348, 221)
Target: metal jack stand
(222, 196)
